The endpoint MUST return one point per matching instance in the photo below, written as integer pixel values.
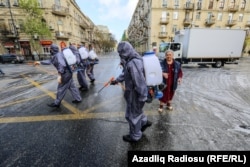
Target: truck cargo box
(211, 43)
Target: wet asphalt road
(211, 112)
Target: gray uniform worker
(81, 76)
(90, 67)
(135, 91)
(66, 80)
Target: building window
(175, 15)
(40, 3)
(174, 29)
(240, 18)
(209, 15)
(222, 3)
(15, 3)
(230, 17)
(164, 14)
(243, 4)
(59, 22)
(20, 23)
(211, 4)
(199, 5)
(46, 50)
(219, 17)
(198, 16)
(232, 4)
(2, 25)
(7, 3)
(57, 2)
(163, 28)
(164, 3)
(176, 4)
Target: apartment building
(156, 21)
(67, 23)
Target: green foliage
(35, 26)
(33, 23)
(124, 37)
(104, 43)
(31, 8)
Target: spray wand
(105, 85)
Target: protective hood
(73, 49)
(54, 49)
(126, 51)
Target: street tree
(34, 25)
(124, 36)
(104, 42)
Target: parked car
(12, 58)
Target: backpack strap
(66, 63)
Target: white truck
(215, 47)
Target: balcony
(83, 25)
(164, 20)
(11, 34)
(60, 10)
(209, 22)
(187, 21)
(163, 34)
(188, 6)
(230, 23)
(62, 35)
(248, 24)
(233, 8)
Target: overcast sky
(115, 14)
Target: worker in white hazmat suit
(135, 93)
(65, 80)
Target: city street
(211, 112)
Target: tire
(218, 64)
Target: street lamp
(15, 28)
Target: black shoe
(53, 105)
(144, 127)
(127, 138)
(81, 87)
(92, 80)
(76, 101)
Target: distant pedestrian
(93, 59)
(2, 72)
(172, 76)
(81, 74)
(136, 91)
(65, 77)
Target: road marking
(21, 101)
(23, 86)
(79, 116)
(52, 95)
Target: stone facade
(155, 21)
(67, 23)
